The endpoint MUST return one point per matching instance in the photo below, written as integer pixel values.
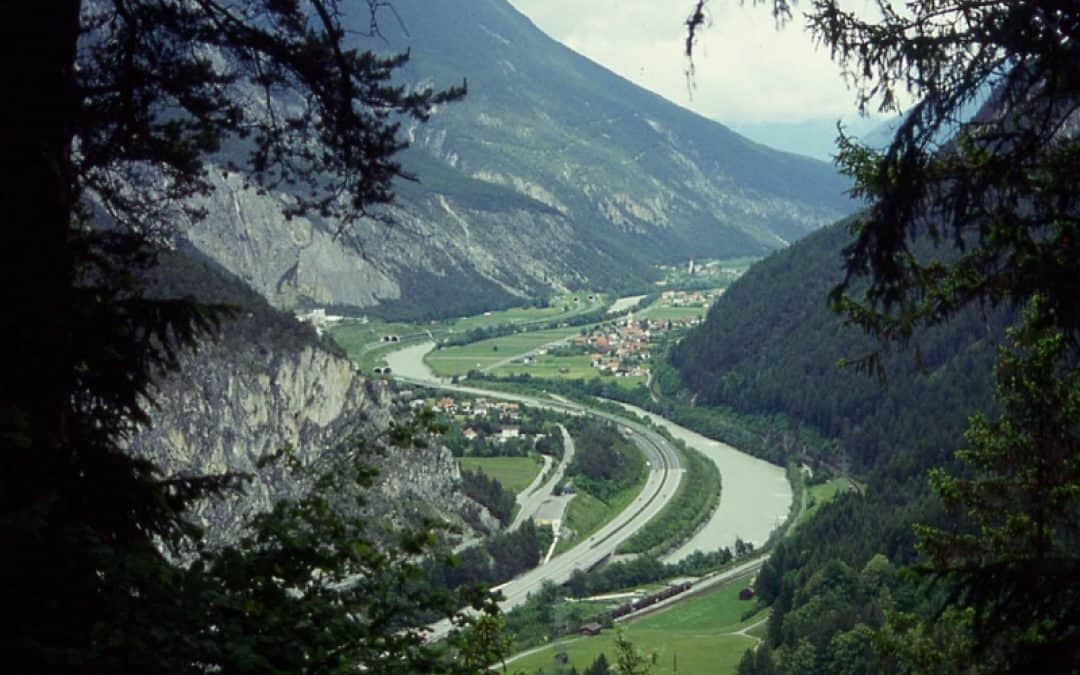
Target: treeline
(490, 494)
(832, 629)
(499, 558)
(693, 503)
(605, 462)
(649, 569)
(771, 345)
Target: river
(624, 303)
(409, 362)
(755, 495)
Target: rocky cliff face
(267, 382)
(441, 250)
(552, 173)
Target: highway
(665, 474)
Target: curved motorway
(665, 473)
(755, 499)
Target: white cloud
(747, 71)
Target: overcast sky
(750, 76)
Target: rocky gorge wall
(266, 382)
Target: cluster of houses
(689, 298)
(621, 348)
(507, 411)
(475, 407)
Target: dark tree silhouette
(969, 211)
(117, 108)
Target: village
(623, 348)
(487, 427)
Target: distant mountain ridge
(554, 173)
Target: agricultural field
(575, 367)
(513, 473)
(488, 354)
(561, 307)
(702, 635)
(362, 339)
(658, 312)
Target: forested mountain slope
(552, 173)
(771, 345)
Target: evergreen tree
(121, 105)
(599, 666)
(966, 211)
(1016, 567)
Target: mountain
(553, 173)
(771, 344)
(265, 382)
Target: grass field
(514, 473)
(563, 367)
(548, 366)
(487, 353)
(586, 514)
(561, 307)
(361, 339)
(658, 313)
(702, 635)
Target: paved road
(665, 473)
(533, 498)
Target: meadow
(701, 636)
(487, 353)
(513, 473)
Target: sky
(775, 86)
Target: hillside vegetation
(771, 346)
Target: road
(665, 474)
(534, 497)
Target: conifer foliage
(117, 107)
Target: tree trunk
(37, 271)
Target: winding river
(755, 495)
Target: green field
(586, 514)
(514, 473)
(361, 338)
(660, 313)
(561, 307)
(701, 634)
(563, 367)
(548, 366)
(353, 334)
(487, 353)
